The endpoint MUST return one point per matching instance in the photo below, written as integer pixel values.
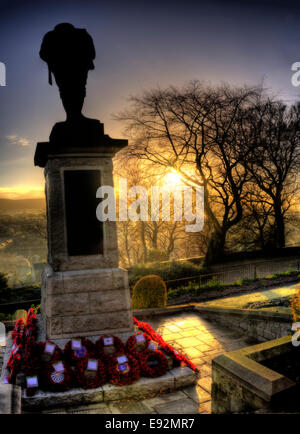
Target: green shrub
(150, 291)
(213, 283)
(191, 289)
(195, 289)
(6, 317)
(156, 255)
(167, 271)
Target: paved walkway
(201, 341)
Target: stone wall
(231, 395)
(241, 384)
(261, 325)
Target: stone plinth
(86, 302)
(84, 293)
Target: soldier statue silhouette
(69, 53)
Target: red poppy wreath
(123, 370)
(31, 362)
(56, 376)
(109, 346)
(49, 351)
(153, 363)
(38, 363)
(14, 361)
(38, 354)
(78, 350)
(90, 373)
(136, 344)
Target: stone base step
(176, 378)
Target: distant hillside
(21, 204)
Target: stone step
(176, 378)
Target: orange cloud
(21, 192)
(18, 140)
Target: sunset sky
(139, 45)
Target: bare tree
(275, 156)
(256, 229)
(202, 134)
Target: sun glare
(172, 178)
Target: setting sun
(172, 178)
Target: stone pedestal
(86, 302)
(84, 293)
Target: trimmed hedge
(148, 292)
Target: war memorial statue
(84, 291)
(69, 53)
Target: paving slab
(205, 407)
(90, 409)
(165, 398)
(133, 407)
(185, 406)
(205, 383)
(206, 370)
(197, 394)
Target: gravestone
(84, 292)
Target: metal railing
(22, 304)
(254, 270)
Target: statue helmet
(64, 27)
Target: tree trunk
(216, 246)
(143, 240)
(279, 226)
(261, 237)
(155, 236)
(127, 247)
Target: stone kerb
(242, 384)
